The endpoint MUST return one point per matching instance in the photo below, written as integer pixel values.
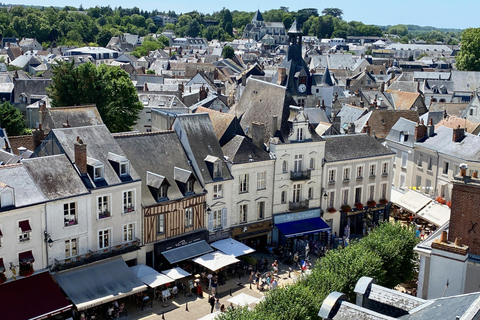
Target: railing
(299, 205)
(300, 175)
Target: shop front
(255, 235)
(357, 222)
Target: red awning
(35, 297)
(2, 266)
(26, 257)
(24, 226)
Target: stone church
(258, 29)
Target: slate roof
(381, 121)
(241, 150)
(354, 146)
(161, 152)
(452, 109)
(435, 116)
(349, 114)
(76, 116)
(220, 120)
(316, 116)
(202, 142)
(258, 16)
(24, 186)
(8, 158)
(406, 127)
(403, 100)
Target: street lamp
(48, 239)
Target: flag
(304, 264)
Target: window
(300, 134)
(188, 217)
(456, 169)
(124, 168)
(471, 112)
(394, 155)
(103, 208)
(360, 172)
(244, 183)
(404, 159)
(98, 172)
(160, 224)
(189, 186)
(371, 192)
(373, 170)
(445, 167)
(345, 196)
(162, 192)
(403, 179)
(297, 167)
(217, 191)
(284, 167)
(419, 161)
(358, 195)
(70, 248)
(419, 182)
(128, 204)
(310, 193)
(261, 180)
(312, 163)
(283, 197)
(428, 186)
(331, 175)
(331, 199)
(217, 219)
(70, 213)
(104, 239)
(217, 169)
(128, 232)
(296, 192)
(24, 230)
(261, 210)
(384, 168)
(243, 209)
(393, 180)
(346, 174)
(430, 160)
(384, 190)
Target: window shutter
(210, 221)
(224, 217)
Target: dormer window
(98, 172)
(7, 198)
(189, 186)
(120, 164)
(300, 134)
(162, 192)
(124, 168)
(95, 169)
(217, 169)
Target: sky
(459, 14)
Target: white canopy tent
(232, 247)
(215, 260)
(150, 276)
(176, 273)
(243, 299)
(413, 201)
(435, 213)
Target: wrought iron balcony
(299, 205)
(300, 175)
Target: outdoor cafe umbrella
(215, 260)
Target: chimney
(418, 86)
(21, 150)
(463, 169)
(145, 86)
(458, 133)
(180, 87)
(81, 155)
(38, 135)
(258, 134)
(351, 128)
(323, 105)
(336, 123)
(382, 87)
(458, 242)
(430, 128)
(219, 91)
(282, 75)
(362, 104)
(366, 128)
(8, 44)
(244, 80)
(443, 237)
(66, 124)
(42, 111)
(274, 125)
(420, 131)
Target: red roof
(34, 297)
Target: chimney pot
(81, 155)
(458, 242)
(443, 237)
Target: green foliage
(146, 47)
(109, 88)
(334, 12)
(399, 29)
(468, 58)
(150, 71)
(228, 52)
(11, 119)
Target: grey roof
(55, 177)
(202, 142)
(241, 150)
(316, 115)
(258, 16)
(76, 116)
(435, 116)
(294, 28)
(466, 81)
(349, 114)
(8, 158)
(162, 155)
(24, 187)
(403, 127)
(355, 146)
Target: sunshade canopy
(232, 247)
(150, 276)
(188, 251)
(303, 227)
(215, 260)
(243, 299)
(176, 273)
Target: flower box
(3, 278)
(345, 208)
(383, 201)
(441, 200)
(331, 210)
(371, 203)
(359, 205)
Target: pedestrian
(257, 279)
(217, 305)
(222, 308)
(211, 300)
(275, 267)
(231, 307)
(250, 279)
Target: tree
(109, 88)
(11, 119)
(468, 59)
(334, 12)
(228, 52)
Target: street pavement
(195, 307)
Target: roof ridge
(5, 166)
(140, 134)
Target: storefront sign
(289, 217)
(367, 210)
(254, 227)
(181, 241)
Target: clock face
(302, 88)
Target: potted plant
(331, 210)
(345, 208)
(449, 204)
(358, 205)
(3, 278)
(441, 200)
(26, 270)
(383, 201)
(371, 203)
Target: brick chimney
(282, 75)
(458, 133)
(366, 128)
(258, 134)
(420, 131)
(38, 135)
(81, 155)
(66, 124)
(430, 128)
(145, 86)
(42, 111)
(351, 128)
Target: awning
(26, 257)
(35, 297)
(435, 213)
(150, 276)
(2, 266)
(24, 226)
(232, 247)
(243, 299)
(188, 251)
(413, 201)
(99, 283)
(176, 273)
(215, 260)
(303, 227)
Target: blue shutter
(224, 217)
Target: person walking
(211, 300)
(257, 279)
(217, 305)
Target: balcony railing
(300, 175)
(299, 205)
